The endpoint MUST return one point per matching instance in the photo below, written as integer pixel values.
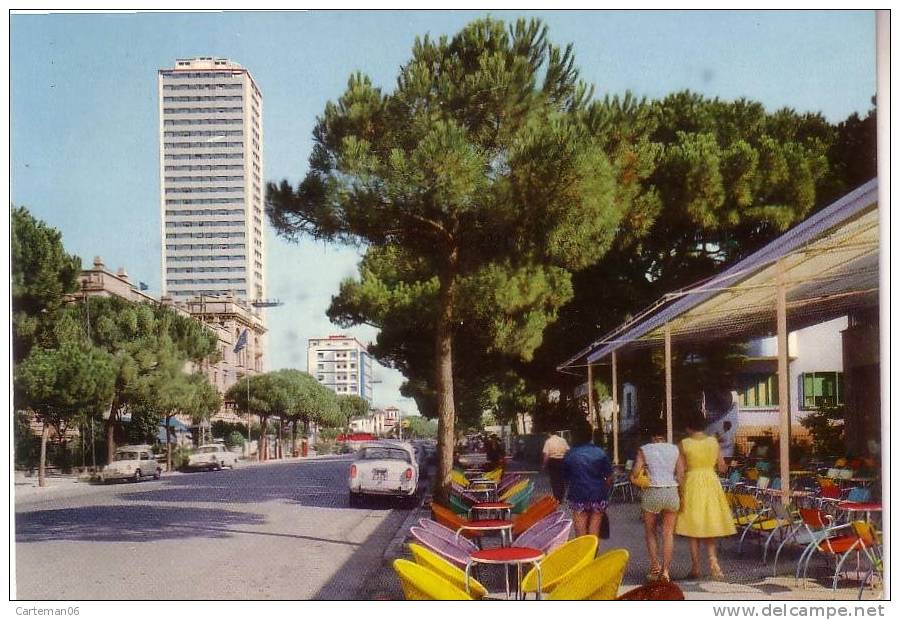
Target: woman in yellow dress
(704, 513)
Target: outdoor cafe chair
(811, 526)
(562, 563)
(622, 484)
(447, 549)
(767, 522)
(428, 559)
(458, 505)
(537, 511)
(521, 500)
(451, 520)
(422, 584)
(447, 534)
(873, 552)
(508, 481)
(546, 539)
(859, 494)
(459, 478)
(598, 581)
(838, 545)
(543, 523)
(514, 489)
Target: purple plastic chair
(447, 534)
(461, 492)
(444, 548)
(547, 539)
(551, 519)
(507, 481)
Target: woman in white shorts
(665, 471)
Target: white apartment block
(342, 364)
(210, 167)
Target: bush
(224, 430)
(826, 428)
(234, 439)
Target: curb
(395, 547)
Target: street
(269, 531)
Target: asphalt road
(271, 531)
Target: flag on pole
(143, 286)
(241, 342)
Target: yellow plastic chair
(421, 584)
(494, 474)
(561, 563)
(598, 581)
(459, 478)
(445, 569)
(514, 489)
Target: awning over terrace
(825, 267)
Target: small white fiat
(384, 468)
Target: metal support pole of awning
(668, 345)
(590, 395)
(784, 405)
(615, 411)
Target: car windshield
(208, 449)
(126, 456)
(394, 454)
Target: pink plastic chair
(444, 548)
(447, 534)
(547, 539)
(551, 519)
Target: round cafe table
(508, 556)
(503, 526)
(866, 507)
(503, 508)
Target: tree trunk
(42, 473)
(263, 449)
(443, 384)
(293, 437)
(280, 438)
(111, 430)
(168, 444)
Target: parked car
(385, 468)
(132, 463)
(212, 456)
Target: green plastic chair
(457, 505)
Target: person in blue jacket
(589, 473)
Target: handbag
(604, 526)
(642, 480)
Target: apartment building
(342, 364)
(210, 167)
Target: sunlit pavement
(280, 530)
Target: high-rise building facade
(342, 364)
(211, 166)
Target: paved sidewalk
(747, 577)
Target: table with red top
(503, 526)
(501, 507)
(866, 507)
(508, 556)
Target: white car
(384, 468)
(132, 463)
(212, 456)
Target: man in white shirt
(555, 449)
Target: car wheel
(137, 475)
(157, 474)
(220, 466)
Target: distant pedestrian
(665, 471)
(589, 474)
(704, 513)
(554, 452)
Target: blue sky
(84, 117)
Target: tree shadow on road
(128, 523)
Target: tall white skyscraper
(210, 164)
